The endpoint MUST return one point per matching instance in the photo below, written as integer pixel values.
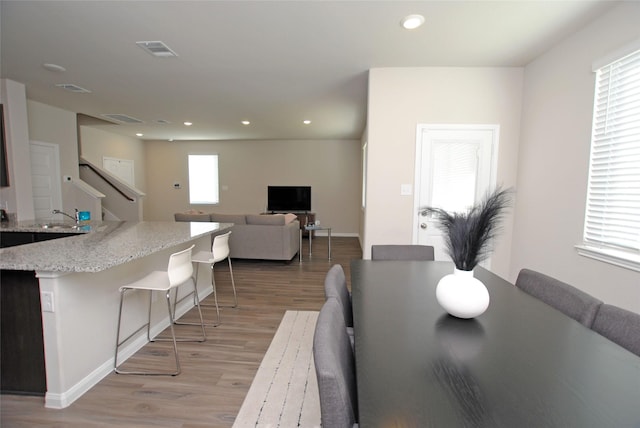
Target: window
(203, 179)
(612, 221)
(454, 174)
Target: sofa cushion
(288, 218)
(187, 216)
(228, 218)
(269, 220)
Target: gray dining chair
(619, 326)
(569, 300)
(335, 285)
(335, 368)
(402, 252)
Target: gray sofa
(255, 236)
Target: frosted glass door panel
(455, 175)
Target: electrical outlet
(46, 297)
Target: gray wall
(402, 98)
(554, 160)
(330, 167)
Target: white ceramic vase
(462, 295)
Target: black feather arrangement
(467, 235)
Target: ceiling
(273, 63)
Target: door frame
(420, 144)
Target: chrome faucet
(64, 213)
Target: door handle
(423, 225)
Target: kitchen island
(78, 277)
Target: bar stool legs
(179, 272)
(219, 251)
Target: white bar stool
(179, 271)
(219, 251)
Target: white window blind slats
(607, 122)
(613, 200)
(617, 144)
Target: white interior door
(45, 178)
(455, 166)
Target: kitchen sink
(58, 226)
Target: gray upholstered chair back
(620, 326)
(569, 300)
(402, 252)
(335, 285)
(335, 368)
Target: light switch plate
(406, 189)
(46, 298)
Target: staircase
(121, 201)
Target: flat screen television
(288, 198)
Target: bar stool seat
(179, 272)
(219, 251)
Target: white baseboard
(65, 399)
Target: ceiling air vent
(73, 88)
(157, 48)
(122, 118)
(162, 122)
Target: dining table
(520, 364)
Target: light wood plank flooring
(216, 375)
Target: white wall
(402, 98)
(97, 143)
(18, 197)
(554, 158)
(331, 168)
(57, 126)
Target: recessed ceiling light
(246, 122)
(139, 134)
(306, 122)
(54, 67)
(411, 22)
(188, 123)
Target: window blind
(454, 176)
(613, 200)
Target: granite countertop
(99, 245)
(49, 227)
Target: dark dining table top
(520, 364)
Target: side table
(310, 228)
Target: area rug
(284, 392)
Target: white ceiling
(274, 63)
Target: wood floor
(216, 374)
